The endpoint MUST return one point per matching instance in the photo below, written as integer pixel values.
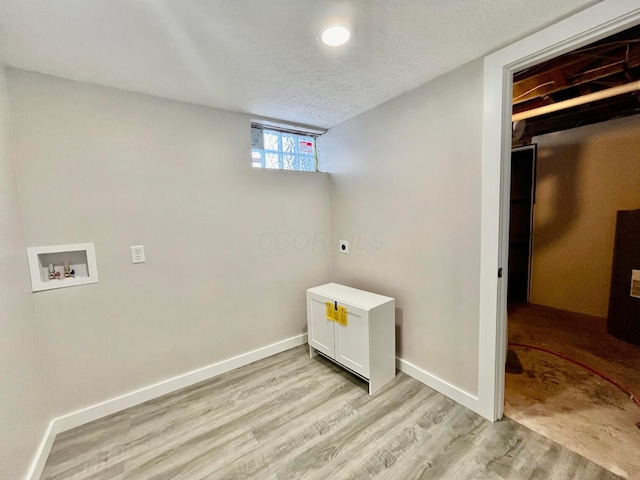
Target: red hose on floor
(624, 389)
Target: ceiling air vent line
(574, 102)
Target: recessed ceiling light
(335, 35)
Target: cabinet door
(321, 330)
(352, 341)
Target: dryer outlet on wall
(344, 246)
(137, 254)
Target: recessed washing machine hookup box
(61, 266)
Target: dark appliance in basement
(623, 321)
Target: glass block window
(283, 150)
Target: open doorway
(592, 24)
(572, 170)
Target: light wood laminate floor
(292, 417)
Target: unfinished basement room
(574, 340)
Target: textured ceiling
(261, 56)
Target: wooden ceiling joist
(573, 73)
(592, 84)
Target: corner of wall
(24, 410)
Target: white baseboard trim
(454, 393)
(131, 399)
(40, 458)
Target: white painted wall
(230, 250)
(23, 410)
(584, 176)
(405, 189)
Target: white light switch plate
(344, 246)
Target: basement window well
(282, 149)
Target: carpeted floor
(567, 403)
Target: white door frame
(604, 19)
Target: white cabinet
(366, 344)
